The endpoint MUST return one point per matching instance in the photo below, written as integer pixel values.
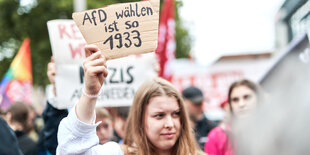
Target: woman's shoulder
(217, 132)
(111, 144)
(129, 149)
(217, 129)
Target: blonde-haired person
(157, 122)
(105, 128)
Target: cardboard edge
(155, 4)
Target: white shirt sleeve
(52, 99)
(78, 138)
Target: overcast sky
(229, 26)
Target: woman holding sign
(157, 123)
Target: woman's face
(243, 99)
(162, 122)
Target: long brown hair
(136, 141)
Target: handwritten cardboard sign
(121, 29)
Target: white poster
(67, 42)
(125, 74)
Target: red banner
(166, 38)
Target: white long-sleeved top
(78, 138)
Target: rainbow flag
(16, 84)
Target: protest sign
(121, 29)
(125, 74)
(67, 42)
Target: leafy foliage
(183, 39)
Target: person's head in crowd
(193, 99)
(51, 72)
(158, 121)
(105, 128)
(120, 122)
(201, 125)
(31, 118)
(243, 96)
(17, 116)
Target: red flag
(166, 38)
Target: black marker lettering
(126, 12)
(113, 75)
(111, 42)
(137, 37)
(81, 74)
(119, 15)
(105, 27)
(135, 24)
(115, 25)
(105, 15)
(142, 11)
(149, 10)
(122, 76)
(86, 16)
(130, 75)
(132, 12)
(127, 38)
(128, 26)
(137, 10)
(93, 17)
(111, 28)
(119, 37)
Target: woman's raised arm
(95, 72)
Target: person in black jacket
(48, 137)
(8, 143)
(17, 116)
(193, 99)
(52, 116)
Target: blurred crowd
(252, 124)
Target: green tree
(18, 22)
(182, 38)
